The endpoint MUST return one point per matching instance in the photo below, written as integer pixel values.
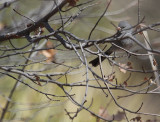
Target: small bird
(127, 43)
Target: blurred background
(28, 105)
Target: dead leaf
(39, 31)
(72, 2)
(117, 117)
(137, 119)
(125, 83)
(123, 67)
(151, 81)
(154, 62)
(50, 53)
(145, 78)
(129, 63)
(110, 77)
(140, 26)
(37, 79)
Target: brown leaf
(151, 81)
(123, 67)
(125, 83)
(37, 79)
(129, 63)
(154, 62)
(110, 77)
(145, 78)
(39, 31)
(138, 119)
(72, 2)
(50, 53)
(117, 117)
(140, 26)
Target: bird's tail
(95, 62)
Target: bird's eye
(122, 27)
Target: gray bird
(124, 43)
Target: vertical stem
(13, 91)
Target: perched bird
(127, 43)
